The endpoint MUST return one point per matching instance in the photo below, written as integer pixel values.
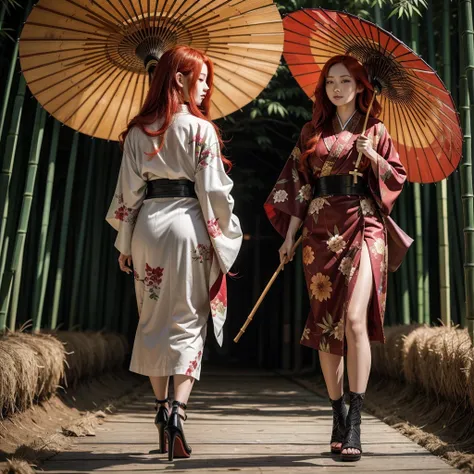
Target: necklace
(343, 127)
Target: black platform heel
(161, 420)
(339, 415)
(177, 446)
(352, 435)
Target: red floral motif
(124, 213)
(218, 296)
(202, 253)
(153, 280)
(193, 364)
(136, 275)
(213, 228)
(121, 213)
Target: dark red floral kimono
(335, 227)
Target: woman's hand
(364, 145)
(286, 250)
(123, 261)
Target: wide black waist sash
(342, 184)
(169, 188)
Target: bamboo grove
(58, 266)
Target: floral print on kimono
(335, 227)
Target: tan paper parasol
(85, 60)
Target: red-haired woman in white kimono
(172, 209)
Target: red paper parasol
(417, 110)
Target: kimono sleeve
(213, 187)
(387, 182)
(292, 193)
(128, 198)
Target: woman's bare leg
(358, 345)
(160, 387)
(332, 367)
(183, 384)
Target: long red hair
(164, 97)
(324, 109)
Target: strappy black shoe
(177, 446)
(352, 434)
(339, 415)
(161, 420)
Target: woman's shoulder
(377, 126)
(191, 121)
(375, 122)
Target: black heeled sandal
(177, 446)
(161, 420)
(339, 415)
(352, 435)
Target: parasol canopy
(417, 109)
(86, 61)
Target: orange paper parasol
(86, 61)
(417, 110)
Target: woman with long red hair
(172, 209)
(349, 240)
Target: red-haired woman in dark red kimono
(349, 242)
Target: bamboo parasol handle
(265, 291)
(364, 128)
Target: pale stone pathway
(249, 422)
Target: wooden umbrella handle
(364, 128)
(265, 291)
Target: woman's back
(180, 154)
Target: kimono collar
(336, 123)
(183, 109)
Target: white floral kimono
(181, 247)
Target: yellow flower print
(324, 346)
(338, 331)
(336, 244)
(306, 334)
(327, 323)
(317, 204)
(308, 255)
(296, 154)
(378, 248)
(305, 193)
(321, 287)
(280, 196)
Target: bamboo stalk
(11, 73)
(46, 216)
(17, 262)
(64, 231)
(79, 257)
(95, 318)
(378, 15)
(404, 268)
(47, 260)
(110, 253)
(466, 168)
(420, 277)
(442, 187)
(7, 167)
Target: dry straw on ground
(437, 359)
(34, 365)
(91, 353)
